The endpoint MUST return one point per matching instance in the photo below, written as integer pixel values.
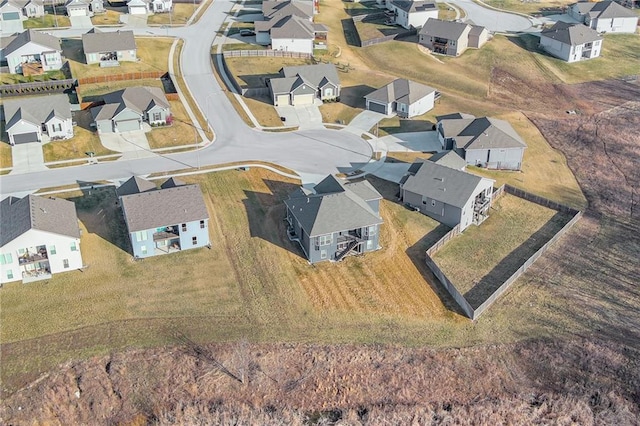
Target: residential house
(451, 38)
(39, 237)
(32, 52)
(160, 6)
(11, 17)
(412, 14)
(138, 7)
(485, 142)
(78, 8)
(28, 8)
(302, 85)
(166, 220)
(288, 26)
(450, 196)
(571, 42)
(125, 110)
(38, 118)
(605, 16)
(334, 219)
(109, 48)
(403, 97)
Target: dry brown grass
(48, 21)
(252, 72)
(83, 141)
(264, 111)
(6, 159)
(110, 17)
(179, 15)
(181, 132)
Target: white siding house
(40, 237)
(571, 42)
(412, 14)
(38, 118)
(605, 16)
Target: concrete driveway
(364, 121)
(304, 116)
(27, 158)
(412, 142)
(392, 172)
(494, 20)
(80, 22)
(133, 144)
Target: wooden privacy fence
(121, 77)
(451, 288)
(37, 87)
(269, 53)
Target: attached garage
(127, 125)
(282, 100)
(25, 138)
(303, 99)
(77, 11)
(376, 107)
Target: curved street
(311, 153)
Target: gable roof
(449, 30)
(54, 215)
(400, 90)
(442, 183)
(162, 207)
(32, 36)
(481, 133)
(453, 116)
(36, 109)
(96, 41)
(293, 27)
(410, 6)
(139, 99)
(135, 185)
(572, 34)
(314, 74)
(84, 3)
(603, 10)
(476, 30)
(279, 9)
(171, 183)
(335, 206)
(448, 159)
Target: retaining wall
(451, 288)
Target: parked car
(246, 33)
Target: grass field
(481, 258)
(153, 55)
(110, 17)
(83, 141)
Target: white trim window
(325, 240)
(141, 236)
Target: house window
(157, 116)
(369, 244)
(202, 224)
(184, 227)
(143, 249)
(371, 231)
(323, 254)
(21, 251)
(325, 240)
(194, 240)
(9, 274)
(74, 247)
(65, 263)
(141, 236)
(433, 203)
(52, 250)
(5, 259)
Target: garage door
(303, 99)
(25, 138)
(282, 100)
(77, 12)
(376, 107)
(128, 125)
(137, 10)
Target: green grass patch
(6, 78)
(48, 21)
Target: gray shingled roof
(314, 74)
(400, 90)
(328, 212)
(277, 13)
(172, 183)
(582, 7)
(572, 34)
(33, 36)
(99, 42)
(292, 27)
(476, 30)
(442, 183)
(54, 215)
(449, 159)
(135, 185)
(162, 207)
(610, 9)
(414, 6)
(453, 116)
(444, 29)
(482, 133)
(36, 109)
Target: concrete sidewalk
(364, 121)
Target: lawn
(6, 78)
(530, 7)
(179, 15)
(48, 21)
(88, 92)
(6, 160)
(110, 17)
(180, 132)
(480, 259)
(75, 148)
(446, 12)
(264, 111)
(153, 55)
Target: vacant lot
(153, 55)
(492, 252)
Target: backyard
(493, 251)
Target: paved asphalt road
(311, 153)
(494, 20)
